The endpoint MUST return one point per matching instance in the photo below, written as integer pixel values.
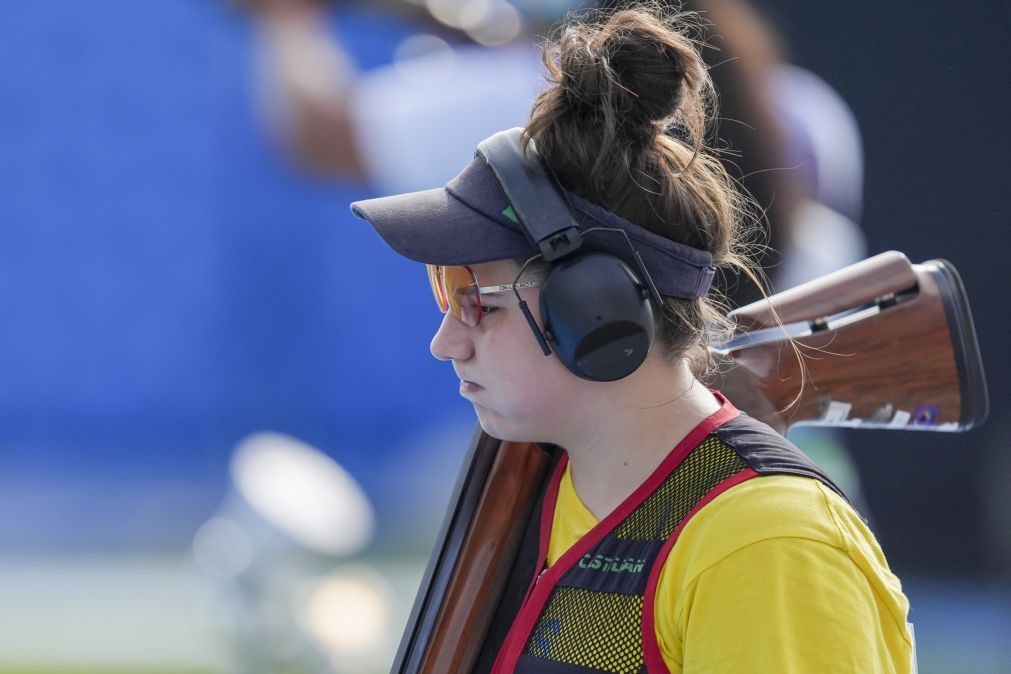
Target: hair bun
(633, 69)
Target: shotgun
(886, 344)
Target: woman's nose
(451, 340)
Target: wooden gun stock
(887, 344)
(890, 345)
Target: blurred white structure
(274, 547)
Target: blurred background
(223, 444)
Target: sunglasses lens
(455, 289)
(438, 288)
(462, 294)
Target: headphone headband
(534, 193)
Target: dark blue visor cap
(470, 221)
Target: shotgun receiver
(887, 344)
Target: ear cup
(596, 316)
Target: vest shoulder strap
(768, 452)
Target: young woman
(678, 534)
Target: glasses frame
(437, 278)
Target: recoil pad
(597, 316)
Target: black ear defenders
(595, 309)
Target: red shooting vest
(592, 611)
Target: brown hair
(624, 125)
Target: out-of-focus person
(473, 68)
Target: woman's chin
(493, 429)
(498, 428)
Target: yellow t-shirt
(777, 574)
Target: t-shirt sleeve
(779, 574)
(787, 605)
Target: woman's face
(517, 392)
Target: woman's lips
(468, 388)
